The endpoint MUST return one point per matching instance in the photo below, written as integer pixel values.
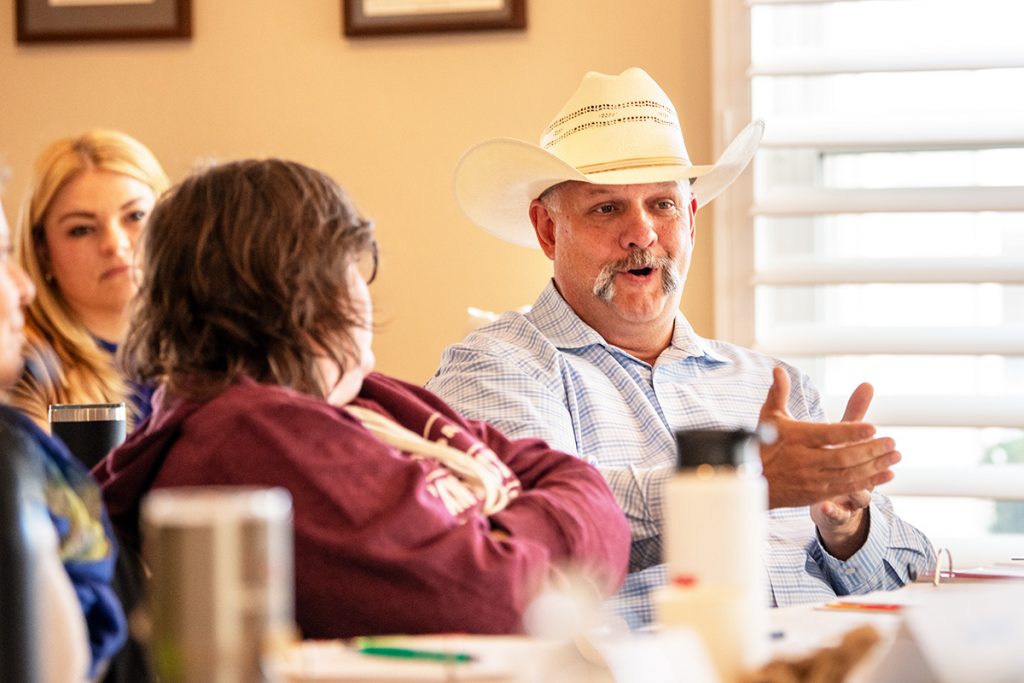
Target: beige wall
(387, 117)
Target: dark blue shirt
(140, 396)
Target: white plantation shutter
(880, 235)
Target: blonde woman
(88, 202)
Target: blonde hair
(64, 364)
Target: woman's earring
(48, 276)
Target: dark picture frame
(373, 18)
(47, 21)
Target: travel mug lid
(732, 448)
(191, 506)
(86, 412)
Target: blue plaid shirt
(547, 374)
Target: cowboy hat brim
(496, 180)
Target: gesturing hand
(812, 462)
(843, 523)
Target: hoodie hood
(127, 473)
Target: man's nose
(638, 229)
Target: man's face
(621, 252)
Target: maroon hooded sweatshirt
(379, 548)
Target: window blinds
(880, 236)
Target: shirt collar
(108, 346)
(690, 344)
(553, 316)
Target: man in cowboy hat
(606, 366)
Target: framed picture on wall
(70, 20)
(379, 17)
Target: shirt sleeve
(36, 389)
(492, 387)
(893, 552)
(563, 503)
(566, 504)
(60, 618)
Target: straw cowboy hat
(614, 130)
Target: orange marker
(864, 606)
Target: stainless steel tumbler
(222, 588)
(90, 430)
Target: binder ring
(937, 576)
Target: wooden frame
(380, 17)
(73, 20)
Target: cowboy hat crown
(614, 130)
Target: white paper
(314, 661)
(963, 632)
(975, 636)
(666, 657)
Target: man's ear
(544, 226)
(693, 219)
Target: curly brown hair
(245, 273)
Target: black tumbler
(90, 430)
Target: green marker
(409, 653)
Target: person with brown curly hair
(254, 317)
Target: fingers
(864, 477)
(822, 434)
(840, 508)
(854, 456)
(860, 401)
(843, 526)
(799, 475)
(858, 499)
(827, 512)
(813, 463)
(778, 396)
(882, 478)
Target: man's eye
(605, 209)
(666, 205)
